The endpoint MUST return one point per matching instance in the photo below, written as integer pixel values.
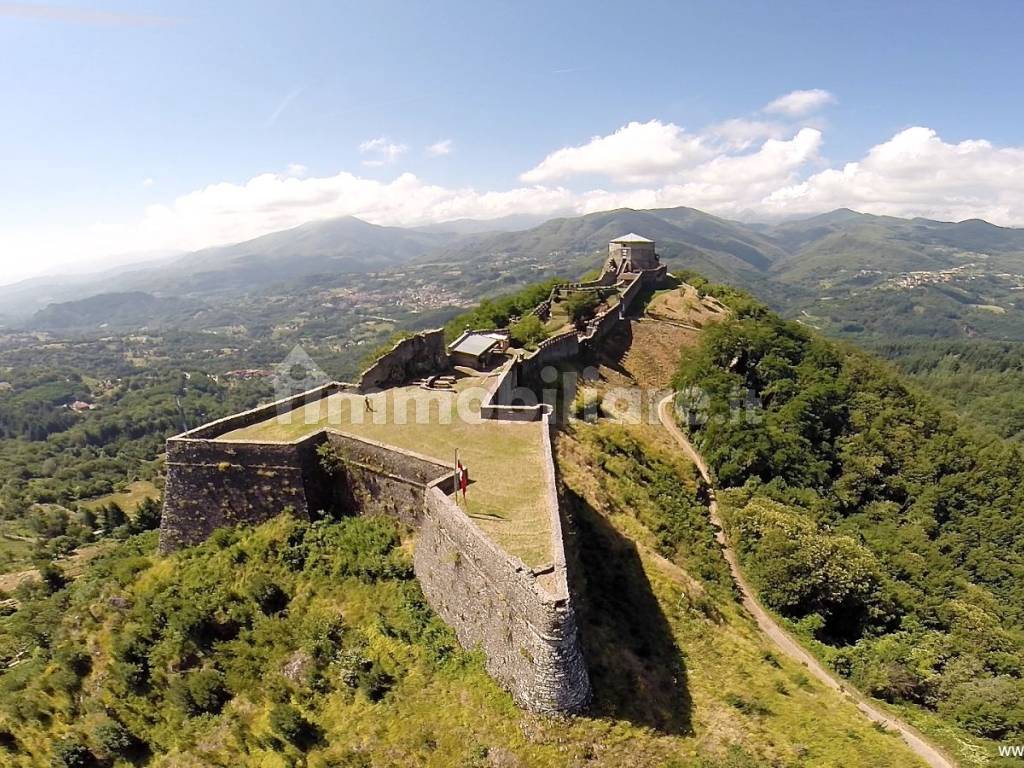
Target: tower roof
(632, 237)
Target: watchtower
(631, 253)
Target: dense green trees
(528, 331)
(982, 379)
(868, 513)
(278, 620)
(496, 312)
(104, 448)
(581, 305)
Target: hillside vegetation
(296, 644)
(867, 514)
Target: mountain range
(843, 271)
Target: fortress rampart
(522, 618)
(419, 355)
(212, 485)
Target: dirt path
(932, 755)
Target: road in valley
(933, 756)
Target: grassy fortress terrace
(506, 497)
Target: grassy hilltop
(294, 644)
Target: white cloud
(637, 152)
(742, 168)
(148, 182)
(384, 151)
(740, 133)
(439, 148)
(916, 173)
(797, 103)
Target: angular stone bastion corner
(522, 618)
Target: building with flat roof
(631, 253)
(476, 349)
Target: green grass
(128, 499)
(682, 677)
(15, 552)
(558, 321)
(506, 495)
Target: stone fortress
(503, 589)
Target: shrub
(288, 723)
(52, 577)
(8, 741)
(71, 753)
(581, 305)
(587, 405)
(147, 515)
(76, 660)
(201, 692)
(528, 331)
(268, 595)
(375, 682)
(115, 739)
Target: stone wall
(213, 485)
(505, 401)
(493, 602)
(415, 357)
(263, 412)
(375, 479)
(564, 346)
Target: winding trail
(931, 755)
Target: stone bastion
(522, 617)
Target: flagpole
(458, 477)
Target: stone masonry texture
(523, 620)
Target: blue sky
(152, 126)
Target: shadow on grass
(613, 349)
(636, 669)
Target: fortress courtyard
(508, 482)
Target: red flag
(463, 479)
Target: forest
(886, 529)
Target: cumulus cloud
(798, 103)
(741, 133)
(916, 173)
(383, 151)
(440, 148)
(637, 152)
(745, 168)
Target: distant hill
(685, 237)
(335, 246)
(844, 272)
(131, 309)
(511, 223)
(332, 247)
